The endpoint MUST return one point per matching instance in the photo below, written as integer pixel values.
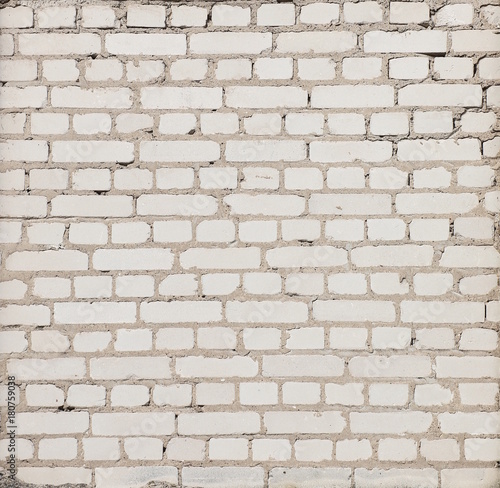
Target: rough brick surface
(250, 244)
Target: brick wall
(251, 244)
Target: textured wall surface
(250, 244)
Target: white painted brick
(276, 15)
(129, 395)
(49, 341)
(230, 42)
(13, 341)
(29, 151)
(86, 396)
(262, 393)
(228, 449)
(465, 477)
(133, 340)
(265, 97)
(60, 70)
(313, 450)
(219, 123)
(44, 396)
(88, 233)
(48, 234)
(16, 17)
(478, 393)
(304, 283)
(59, 448)
(478, 285)
(408, 13)
(361, 68)
(440, 450)
(172, 231)
(409, 68)
(397, 450)
(489, 69)
(431, 178)
(186, 16)
(189, 69)
(279, 477)
(100, 449)
(120, 476)
(52, 287)
(145, 16)
(365, 13)
(132, 424)
(261, 338)
(429, 229)
(229, 15)
(300, 229)
(103, 70)
(178, 285)
(389, 123)
(347, 284)
(55, 475)
(304, 422)
(457, 14)
(316, 69)
(179, 151)
(13, 290)
(477, 121)
(421, 41)
(18, 70)
(301, 393)
(65, 260)
(12, 123)
(127, 123)
(305, 338)
(388, 394)
(454, 68)
(216, 338)
(98, 16)
(470, 257)
(46, 123)
(348, 338)
(59, 44)
(474, 227)
(175, 395)
(436, 338)
(143, 448)
(185, 311)
(392, 255)
(271, 449)
(146, 44)
(262, 283)
(345, 230)
(356, 96)
(233, 69)
(391, 337)
(304, 123)
(219, 283)
(475, 176)
(319, 13)
(317, 42)
(478, 340)
(215, 393)
(302, 365)
(353, 450)
(56, 17)
(210, 423)
(186, 449)
(274, 68)
(390, 423)
(467, 367)
(143, 71)
(432, 284)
